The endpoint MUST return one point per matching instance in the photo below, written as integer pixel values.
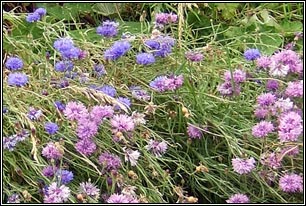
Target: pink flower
(131, 156)
(75, 111)
(157, 148)
(122, 123)
(243, 166)
(51, 151)
(291, 183)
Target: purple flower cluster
(238, 198)
(295, 89)
(110, 161)
(251, 54)
(75, 110)
(14, 63)
(36, 15)
(10, 142)
(290, 126)
(262, 129)
(166, 83)
(123, 100)
(228, 88)
(122, 123)
(89, 189)
(194, 56)
(271, 159)
(56, 194)
(121, 198)
(34, 114)
(157, 148)
(162, 19)
(86, 128)
(14, 198)
(118, 49)
(161, 45)
(17, 79)
(263, 62)
(68, 51)
(65, 176)
(291, 183)
(108, 29)
(139, 93)
(49, 171)
(51, 151)
(51, 128)
(243, 166)
(98, 113)
(99, 70)
(131, 156)
(286, 58)
(145, 58)
(60, 106)
(64, 66)
(194, 132)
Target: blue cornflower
(51, 127)
(40, 11)
(34, 114)
(14, 63)
(99, 69)
(63, 66)
(251, 54)
(108, 29)
(152, 44)
(33, 17)
(59, 105)
(109, 90)
(17, 79)
(65, 176)
(71, 53)
(145, 58)
(4, 110)
(159, 83)
(118, 49)
(63, 44)
(125, 101)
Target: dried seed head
(80, 197)
(132, 175)
(192, 199)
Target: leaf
(107, 9)
(268, 19)
(291, 26)
(269, 43)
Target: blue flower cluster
(161, 45)
(118, 49)
(36, 15)
(10, 142)
(108, 29)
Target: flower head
(34, 114)
(56, 194)
(17, 79)
(263, 62)
(32, 17)
(40, 11)
(271, 159)
(194, 56)
(122, 123)
(243, 166)
(14, 63)
(266, 99)
(227, 88)
(295, 89)
(63, 44)
(49, 171)
(89, 189)
(272, 85)
(14, 198)
(145, 58)
(291, 183)
(290, 127)
(239, 76)
(65, 176)
(251, 54)
(238, 198)
(99, 70)
(262, 129)
(51, 127)
(116, 198)
(139, 93)
(86, 128)
(194, 132)
(157, 148)
(118, 49)
(108, 29)
(131, 156)
(110, 161)
(75, 110)
(59, 105)
(63, 66)
(86, 147)
(51, 151)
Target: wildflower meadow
(152, 103)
